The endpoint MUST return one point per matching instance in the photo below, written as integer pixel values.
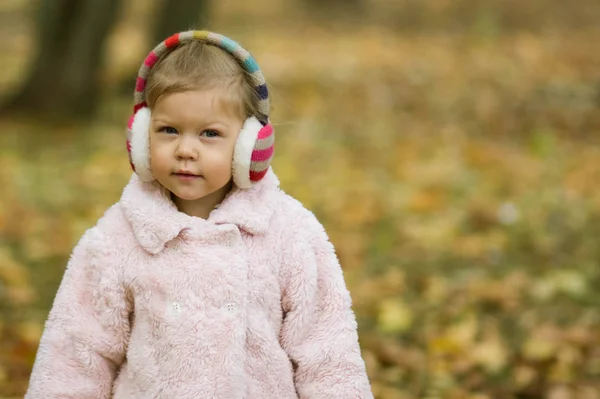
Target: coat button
(175, 308)
(230, 240)
(231, 307)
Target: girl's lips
(187, 176)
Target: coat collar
(155, 219)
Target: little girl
(205, 280)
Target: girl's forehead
(216, 101)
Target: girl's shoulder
(110, 231)
(105, 246)
(113, 224)
(294, 215)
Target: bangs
(201, 66)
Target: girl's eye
(210, 133)
(169, 130)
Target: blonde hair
(201, 66)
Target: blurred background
(453, 154)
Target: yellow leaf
(463, 333)
(443, 346)
(524, 376)
(30, 331)
(394, 316)
(560, 392)
(426, 201)
(544, 289)
(539, 348)
(571, 282)
(491, 354)
(12, 273)
(436, 290)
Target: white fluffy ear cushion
(242, 154)
(140, 144)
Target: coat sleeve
(319, 331)
(85, 336)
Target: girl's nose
(186, 149)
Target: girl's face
(192, 138)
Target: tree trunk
(64, 78)
(179, 15)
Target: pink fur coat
(249, 304)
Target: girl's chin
(189, 196)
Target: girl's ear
(139, 145)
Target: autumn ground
(455, 173)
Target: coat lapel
(155, 220)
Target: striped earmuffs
(254, 147)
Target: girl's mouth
(186, 176)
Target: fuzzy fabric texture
(248, 304)
(140, 144)
(243, 151)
